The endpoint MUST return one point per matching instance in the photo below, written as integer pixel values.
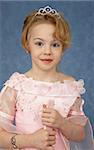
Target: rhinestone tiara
(47, 10)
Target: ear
(28, 51)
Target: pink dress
(24, 102)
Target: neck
(49, 76)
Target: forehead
(43, 29)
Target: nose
(47, 50)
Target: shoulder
(73, 84)
(14, 79)
(16, 76)
(63, 77)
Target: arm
(72, 131)
(69, 129)
(41, 139)
(5, 140)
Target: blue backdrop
(78, 60)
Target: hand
(44, 139)
(51, 118)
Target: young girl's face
(46, 51)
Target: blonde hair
(62, 30)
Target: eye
(56, 44)
(39, 43)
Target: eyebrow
(38, 39)
(43, 39)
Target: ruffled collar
(68, 87)
(26, 84)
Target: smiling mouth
(47, 61)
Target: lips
(46, 60)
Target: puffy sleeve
(77, 116)
(8, 104)
(76, 113)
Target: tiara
(47, 10)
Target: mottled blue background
(78, 60)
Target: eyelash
(40, 44)
(56, 45)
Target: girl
(42, 109)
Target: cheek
(58, 54)
(58, 58)
(30, 44)
(34, 54)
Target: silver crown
(47, 10)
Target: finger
(52, 133)
(45, 128)
(47, 110)
(50, 148)
(46, 119)
(52, 143)
(52, 138)
(47, 124)
(45, 106)
(45, 115)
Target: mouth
(46, 61)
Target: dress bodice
(31, 95)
